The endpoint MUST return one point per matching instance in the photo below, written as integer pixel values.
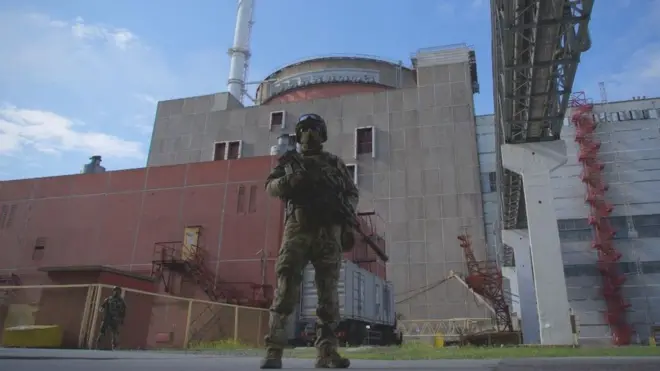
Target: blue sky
(81, 77)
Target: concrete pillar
(534, 162)
(514, 291)
(523, 274)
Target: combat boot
(328, 357)
(273, 359)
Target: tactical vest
(319, 205)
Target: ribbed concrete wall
(630, 135)
(423, 179)
(487, 165)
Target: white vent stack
(240, 50)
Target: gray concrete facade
(630, 135)
(488, 163)
(422, 179)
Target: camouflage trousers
(112, 326)
(321, 247)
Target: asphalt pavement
(86, 360)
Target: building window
(492, 181)
(39, 248)
(234, 150)
(625, 115)
(7, 215)
(227, 150)
(646, 114)
(277, 118)
(364, 141)
(220, 151)
(252, 199)
(240, 200)
(352, 169)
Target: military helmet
(311, 119)
(116, 289)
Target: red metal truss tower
(600, 210)
(486, 280)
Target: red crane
(486, 280)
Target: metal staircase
(600, 210)
(188, 261)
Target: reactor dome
(332, 76)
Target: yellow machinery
(32, 336)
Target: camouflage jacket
(114, 308)
(324, 163)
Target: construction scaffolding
(600, 210)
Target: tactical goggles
(310, 117)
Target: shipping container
(366, 307)
(363, 296)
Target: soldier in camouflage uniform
(309, 236)
(114, 311)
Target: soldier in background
(113, 309)
(312, 235)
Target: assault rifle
(292, 158)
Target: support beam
(522, 278)
(510, 274)
(534, 162)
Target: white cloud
(461, 11)
(640, 75)
(446, 8)
(80, 56)
(107, 75)
(51, 133)
(121, 38)
(477, 3)
(639, 51)
(148, 99)
(103, 73)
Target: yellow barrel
(49, 336)
(439, 341)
